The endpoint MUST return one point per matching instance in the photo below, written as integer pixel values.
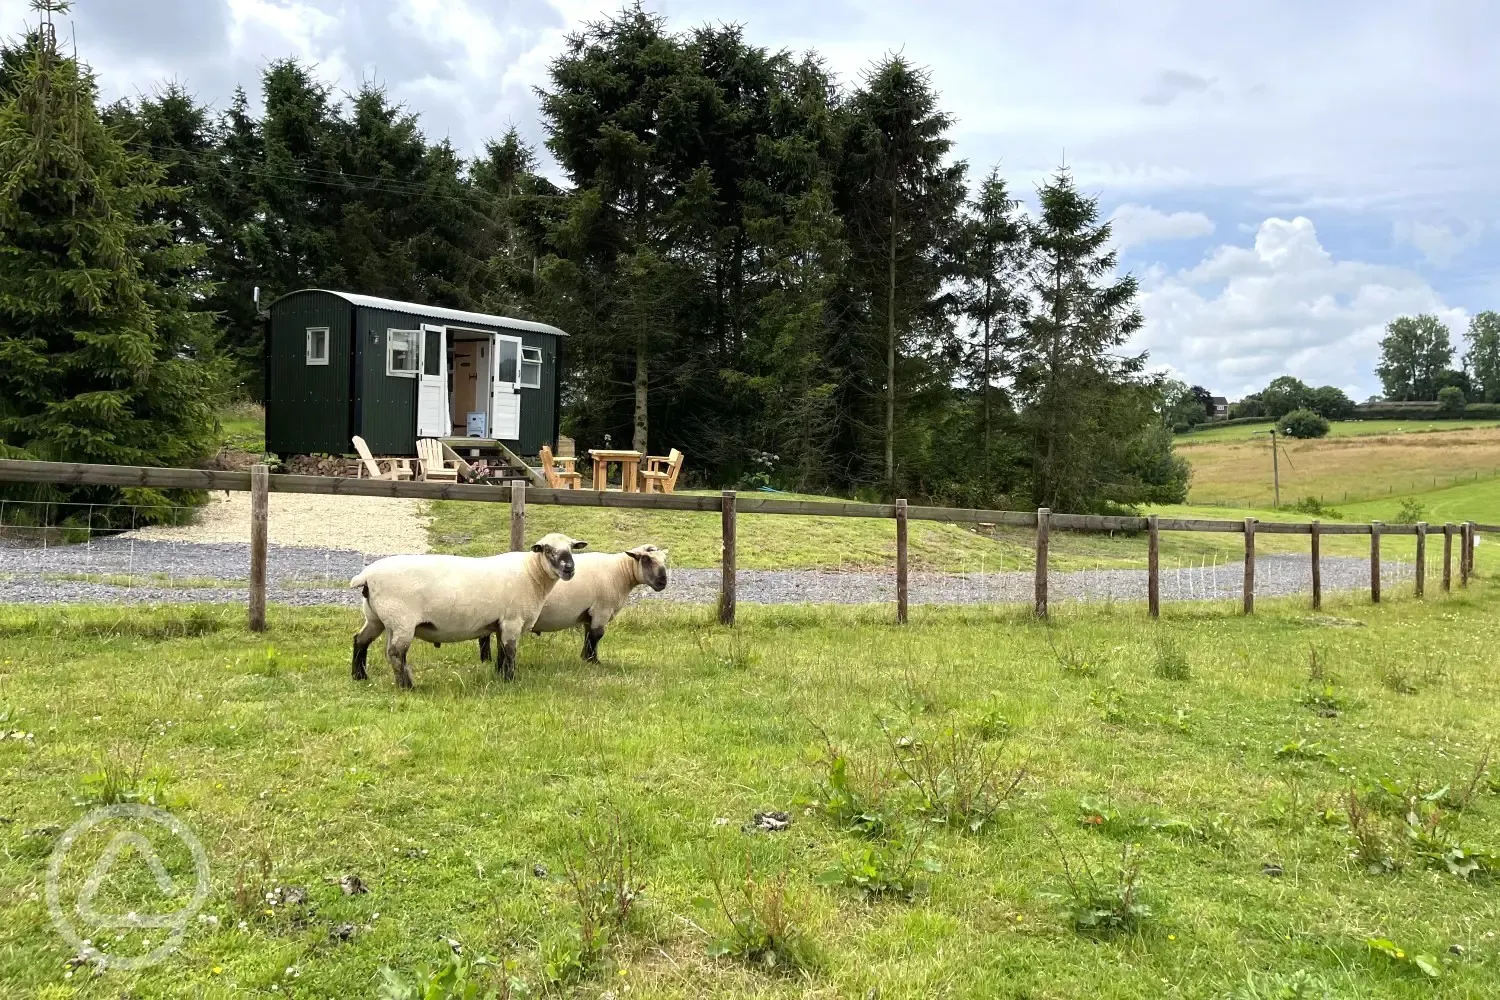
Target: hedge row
(1379, 411)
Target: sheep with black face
(441, 598)
(599, 589)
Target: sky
(1283, 177)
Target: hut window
(403, 350)
(317, 345)
(531, 368)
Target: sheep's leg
(505, 663)
(395, 651)
(369, 633)
(591, 637)
(592, 634)
(484, 649)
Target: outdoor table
(630, 464)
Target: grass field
(242, 427)
(1208, 433)
(1340, 470)
(1207, 740)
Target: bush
(1451, 402)
(1302, 424)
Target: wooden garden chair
(400, 468)
(435, 465)
(660, 474)
(559, 472)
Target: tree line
(785, 275)
(1416, 361)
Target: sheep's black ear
(580, 545)
(538, 547)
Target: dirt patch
(374, 525)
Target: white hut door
(432, 388)
(505, 412)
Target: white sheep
(600, 586)
(439, 598)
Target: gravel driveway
(130, 569)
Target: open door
(505, 409)
(432, 387)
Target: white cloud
(1439, 243)
(1284, 306)
(1132, 225)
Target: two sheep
(600, 587)
(440, 598)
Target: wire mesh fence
(202, 555)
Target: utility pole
(1275, 474)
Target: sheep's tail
(359, 583)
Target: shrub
(1100, 905)
(1451, 402)
(764, 922)
(1302, 424)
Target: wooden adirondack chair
(400, 468)
(660, 474)
(559, 471)
(435, 465)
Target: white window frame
(529, 356)
(413, 341)
(312, 358)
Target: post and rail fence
(260, 484)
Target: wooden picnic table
(630, 467)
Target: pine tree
(99, 326)
(994, 258)
(902, 203)
(1085, 401)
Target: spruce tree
(994, 255)
(99, 326)
(1087, 404)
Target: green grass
(1338, 429)
(243, 428)
(445, 800)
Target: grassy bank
(1212, 742)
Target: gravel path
(129, 569)
(377, 525)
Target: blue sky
(1286, 177)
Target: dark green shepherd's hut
(340, 364)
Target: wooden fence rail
(729, 504)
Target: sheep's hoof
(359, 674)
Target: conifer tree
(100, 334)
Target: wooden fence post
(1465, 543)
(1317, 566)
(1421, 568)
(1249, 565)
(1043, 527)
(1153, 567)
(518, 516)
(901, 592)
(1374, 562)
(260, 502)
(1447, 557)
(727, 581)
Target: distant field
(1340, 469)
(1341, 428)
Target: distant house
(1220, 408)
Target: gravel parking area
(132, 569)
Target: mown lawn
(1202, 739)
